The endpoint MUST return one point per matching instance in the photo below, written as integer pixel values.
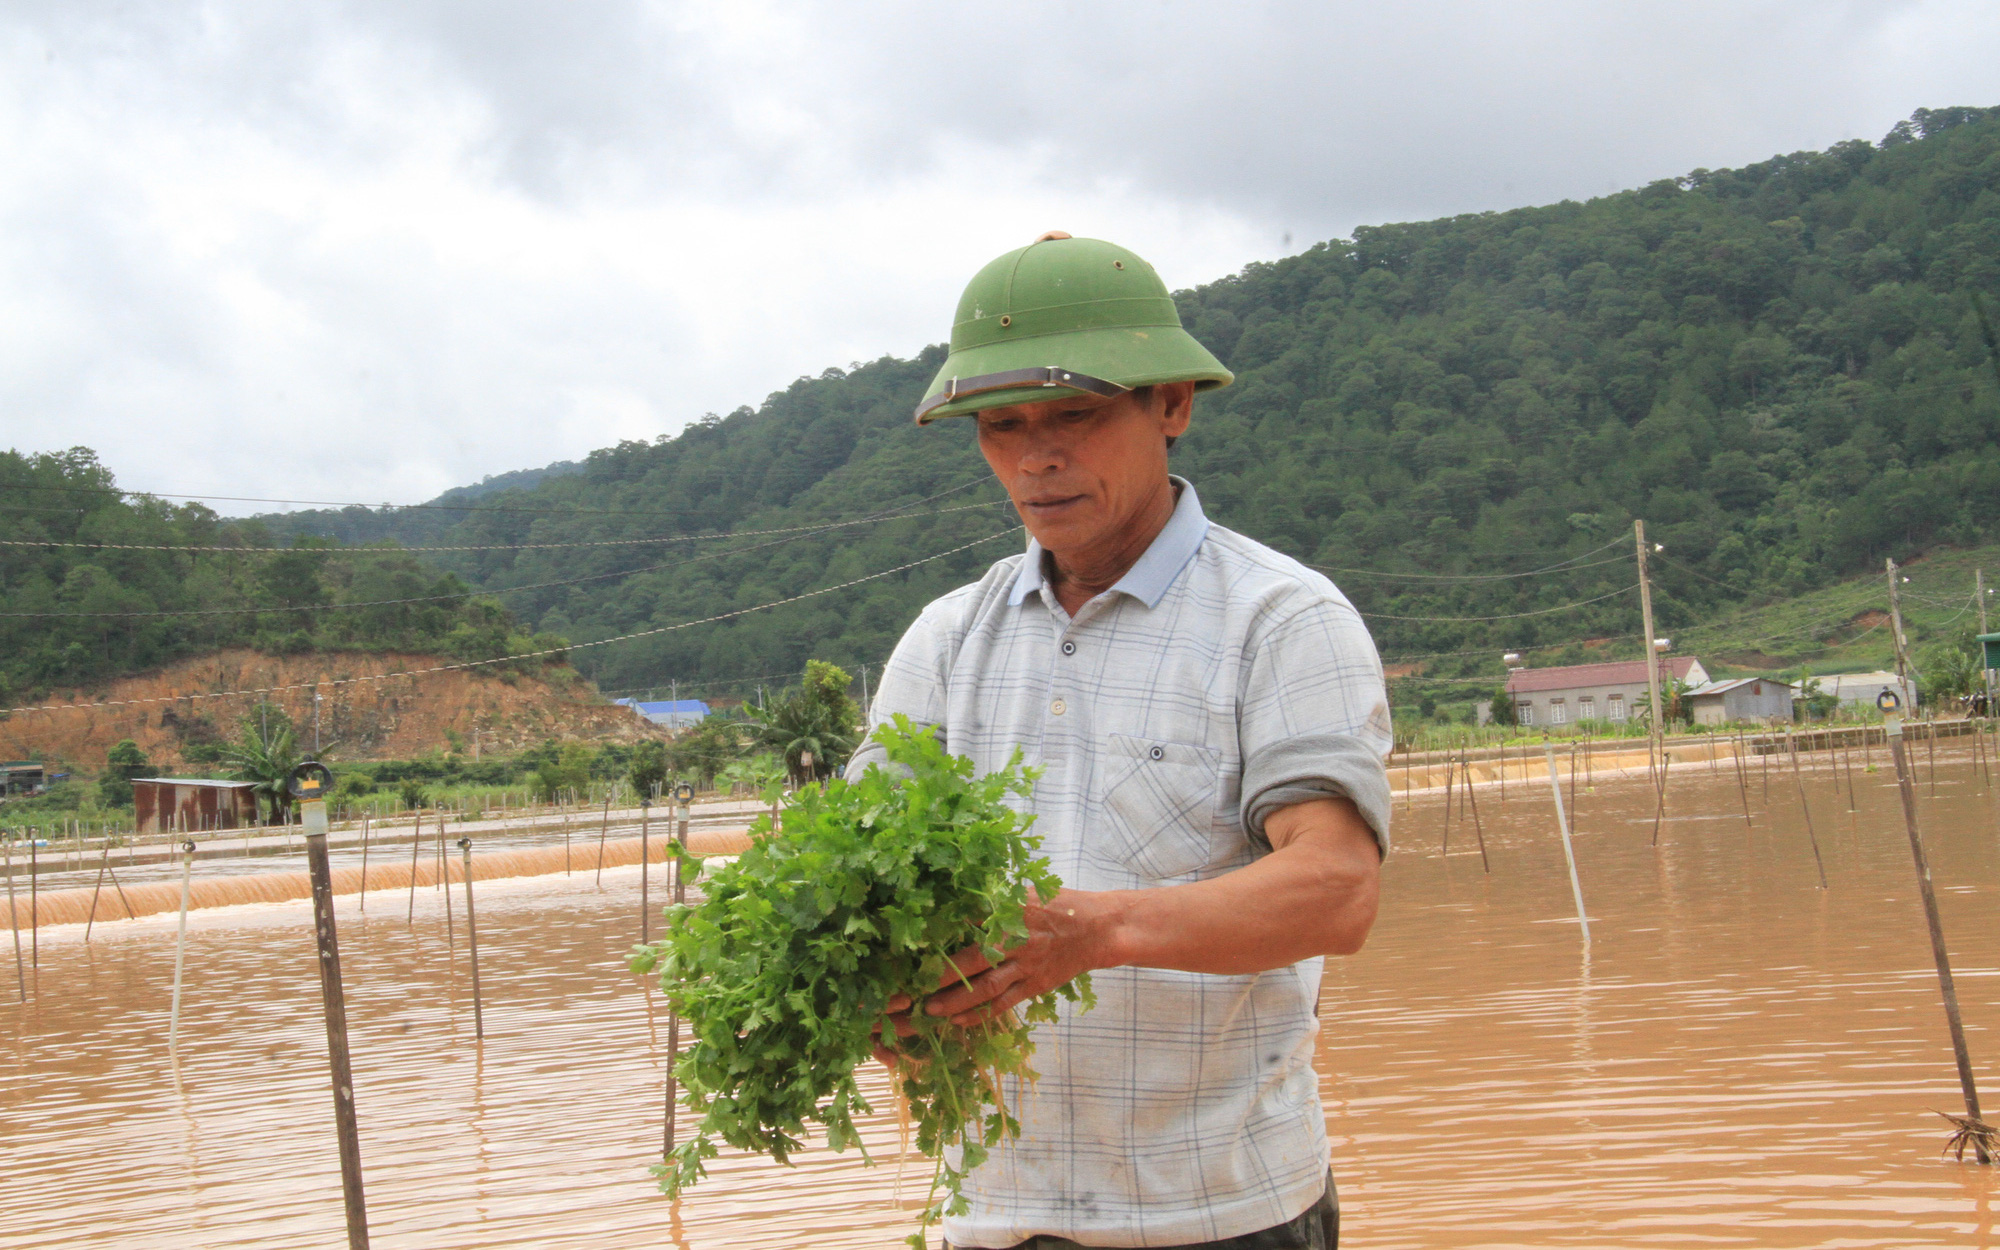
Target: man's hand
(1314, 894)
(1063, 942)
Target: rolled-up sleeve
(1313, 718)
(913, 684)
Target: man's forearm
(1316, 895)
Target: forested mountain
(96, 584)
(1781, 368)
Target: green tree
(1948, 670)
(817, 718)
(702, 751)
(649, 767)
(265, 753)
(1502, 709)
(124, 762)
(568, 776)
(754, 774)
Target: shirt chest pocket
(1159, 805)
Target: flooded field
(1739, 1059)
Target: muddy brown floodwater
(1741, 1059)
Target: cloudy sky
(415, 242)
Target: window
(1586, 708)
(1558, 713)
(1616, 710)
(1525, 713)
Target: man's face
(1084, 470)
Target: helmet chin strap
(1043, 375)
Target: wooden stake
(645, 907)
(180, 947)
(1799, 779)
(334, 999)
(1930, 745)
(416, 845)
(101, 870)
(1472, 800)
(444, 881)
(1742, 786)
(20, 976)
(1450, 770)
(1981, 1134)
(472, 942)
(364, 861)
(673, 1016)
(34, 911)
(1569, 855)
(602, 834)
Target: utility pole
(1896, 626)
(1985, 673)
(1646, 614)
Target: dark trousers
(1317, 1228)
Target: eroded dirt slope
(468, 710)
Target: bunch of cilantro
(863, 893)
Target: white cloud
(429, 241)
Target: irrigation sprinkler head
(465, 844)
(188, 845)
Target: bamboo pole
(102, 868)
(180, 948)
(34, 910)
(602, 834)
(1450, 771)
(673, 1016)
(1569, 855)
(1742, 786)
(416, 847)
(20, 976)
(645, 871)
(333, 998)
(1978, 1134)
(444, 881)
(472, 942)
(364, 861)
(1799, 779)
(1472, 800)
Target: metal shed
(174, 804)
(1741, 699)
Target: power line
(398, 550)
(417, 507)
(469, 593)
(526, 655)
(1510, 616)
(1565, 566)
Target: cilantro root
(864, 892)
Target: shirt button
(1058, 707)
(1069, 648)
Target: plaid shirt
(1217, 682)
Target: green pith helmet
(1064, 316)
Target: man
(1210, 723)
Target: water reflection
(1739, 1059)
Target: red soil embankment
(164, 711)
(153, 898)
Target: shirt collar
(1149, 579)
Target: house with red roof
(1612, 691)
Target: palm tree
(817, 719)
(265, 755)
